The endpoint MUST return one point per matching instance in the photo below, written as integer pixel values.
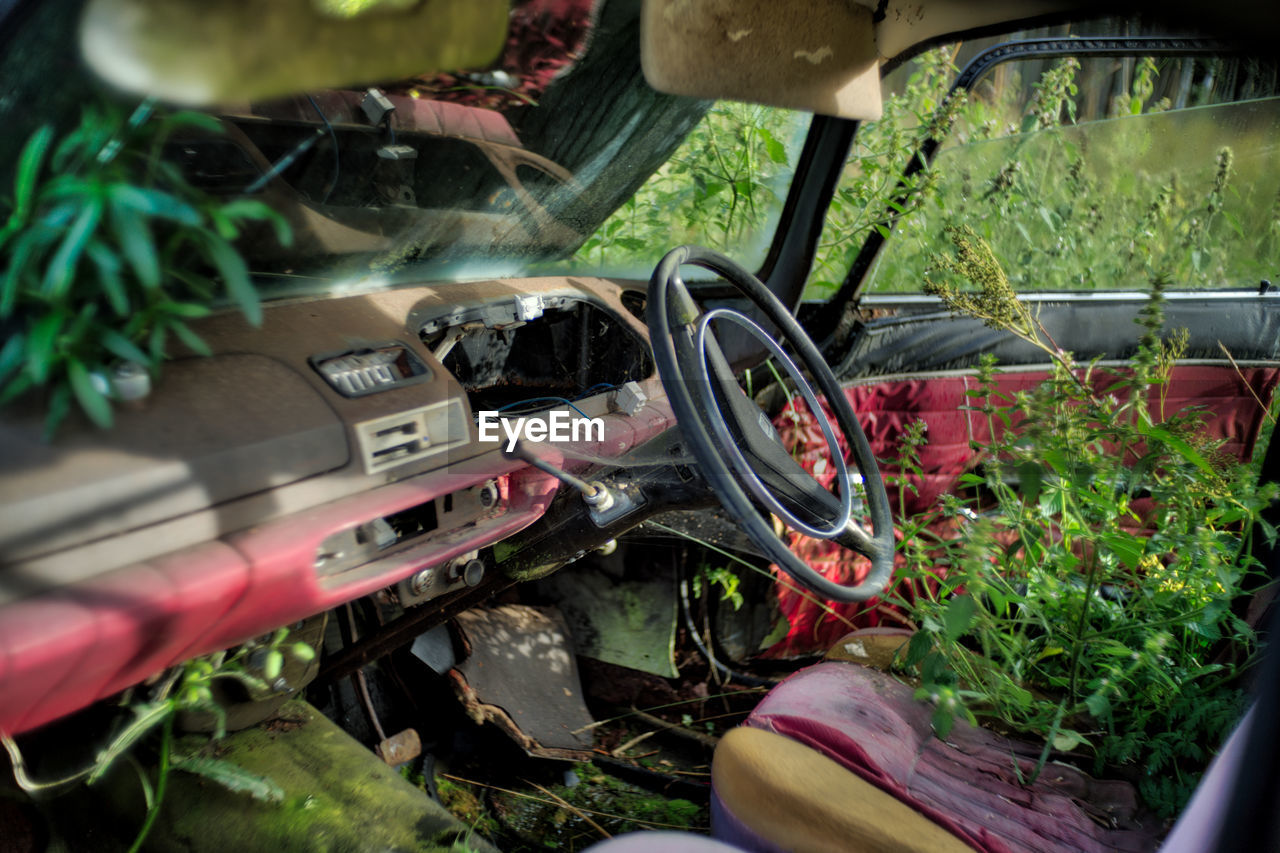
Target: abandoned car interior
(638, 424)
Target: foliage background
(1076, 190)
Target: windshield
(462, 175)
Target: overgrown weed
(1087, 595)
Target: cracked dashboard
(325, 455)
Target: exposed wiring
(599, 386)
(568, 403)
(337, 155)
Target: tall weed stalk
(1086, 597)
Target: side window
(1098, 174)
(723, 188)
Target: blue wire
(594, 388)
(568, 403)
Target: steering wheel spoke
(739, 452)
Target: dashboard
(329, 453)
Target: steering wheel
(735, 445)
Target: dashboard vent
(407, 436)
(369, 370)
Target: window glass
(1189, 195)
(723, 189)
(454, 175)
(1093, 174)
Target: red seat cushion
(869, 723)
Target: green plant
(1086, 597)
(874, 174)
(184, 688)
(104, 254)
(1187, 193)
(719, 189)
(723, 576)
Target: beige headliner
(819, 56)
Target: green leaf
(136, 241)
(958, 616)
(235, 275)
(193, 341)
(777, 633)
(62, 266)
(21, 384)
(1099, 706)
(934, 670)
(59, 405)
(23, 251)
(1183, 449)
(107, 263)
(1066, 740)
(1129, 549)
(76, 331)
(223, 225)
(272, 665)
(91, 400)
(155, 343)
(943, 721)
(29, 163)
(776, 150)
(1049, 652)
(42, 345)
(11, 355)
(233, 777)
(190, 310)
(121, 347)
(919, 646)
(153, 202)
(1030, 481)
(190, 118)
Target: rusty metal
(522, 676)
(400, 747)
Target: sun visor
(813, 55)
(201, 52)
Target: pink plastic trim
(66, 648)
